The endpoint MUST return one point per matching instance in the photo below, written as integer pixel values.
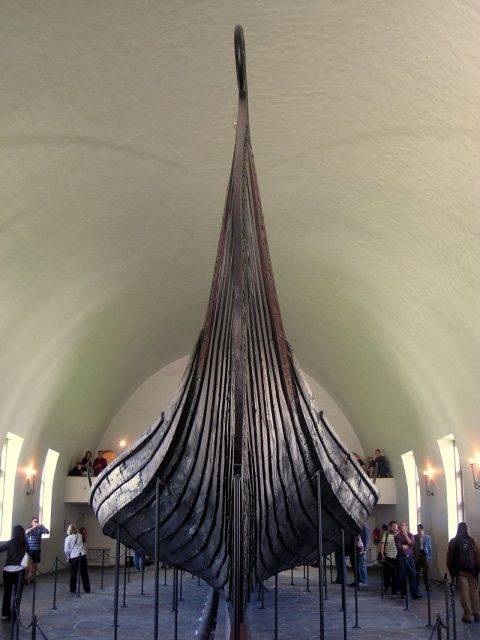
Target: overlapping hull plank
(243, 411)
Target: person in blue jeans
(362, 556)
(406, 564)
(139, 560)
(361, 543)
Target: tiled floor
(91, 615)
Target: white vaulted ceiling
(117, 132)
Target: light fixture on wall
(30, 472)
(428, 473)
(472, 462)
(122, 444)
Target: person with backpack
(463, 562)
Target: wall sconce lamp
(471, 462)
(30, 481)
(122, 444)
(428, 473)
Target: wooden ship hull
(236, 454)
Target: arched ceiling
(117, 132)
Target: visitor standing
(76, 555)
(422, 554)
(463, 562)
(34, 535)
(388, 555)
(406, 565)
(99, 463)
(13, 572)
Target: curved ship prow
(237, 452)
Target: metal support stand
(117, 585)
(175, 601)
(344, 598)
(103, 569)
(325, 591)
(291, 577)
(276, 608)
(124, 606)
(308, 578)
(320, 556)
(356, 579)
(181, 586)
(157, 557)
(237, 555)
(174, 587)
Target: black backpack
(466, 555)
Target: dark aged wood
(243, 416)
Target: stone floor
(90, 616)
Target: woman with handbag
(76, 554)
(14, 572)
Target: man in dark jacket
(463, 562)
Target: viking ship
(235, 466)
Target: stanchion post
(34, 627)
(34, 594)
(454, 618)
(55, 579)
(181, 585)
(429, 610)
(447, 605)
(308, 578)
